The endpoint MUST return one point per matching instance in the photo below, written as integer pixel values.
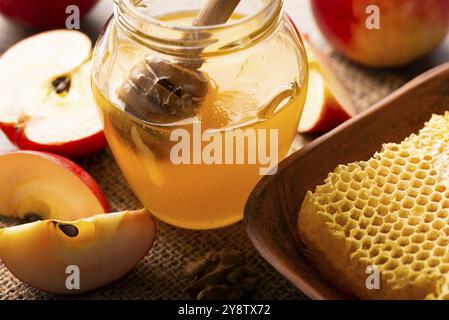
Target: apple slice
(47, 103)
(47, 186)
(328, 104)
(102, 249)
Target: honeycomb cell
(408, 203)
(343, 187)
(351, 195)
(444, 268)
(392, 212)
(382, 259)
(417, 183)
(443, 242)
(391, 216)
(422, 201)
(380, 239)
(364, 223)
(424, 166)
(408, 259)
(442, 214)
(412, 192)
(418, 238)
(423, 228)
(385, 228)
(438, 225)
(423, 255)
(396, 254)
(391, 265)
(372, 230)
(374, 252)
(368, 212)
(418, 266)
(445, 203)
(393, 235)
(438, 251)
(393, 179)
(432, 235)
(341, 219)
(433, 263)
(428, 245)
(366, 244)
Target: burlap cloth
(158, 276)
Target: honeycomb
(389, 214)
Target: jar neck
(204, 41)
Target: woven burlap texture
(158, 276)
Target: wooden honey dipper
(162, 91)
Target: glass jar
(189, 168)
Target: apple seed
(69, 230)
(62, 84)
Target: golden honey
(260, 89)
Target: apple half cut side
(40, 185)
(96, 250)
(47, 101)
(328, 104)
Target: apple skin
(409, 29)
(71, 149)
(42, 14)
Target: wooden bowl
(272, 209)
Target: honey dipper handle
(215, 12)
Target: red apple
(44, 14)
(409, 29)
(48, 186)
(328, 104)
(47, 102)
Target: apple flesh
(328, 104)
(409, 29)
(43, 14)
(47, 103)
(103, 248)
(47, 186)
(5, 144)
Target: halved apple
(47, 186)
(46, 100)
(103, 248)
(328, 104)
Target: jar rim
(265, 10)
(205, 41)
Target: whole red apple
(43, 14)
(407, 29)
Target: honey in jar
(256, 74)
